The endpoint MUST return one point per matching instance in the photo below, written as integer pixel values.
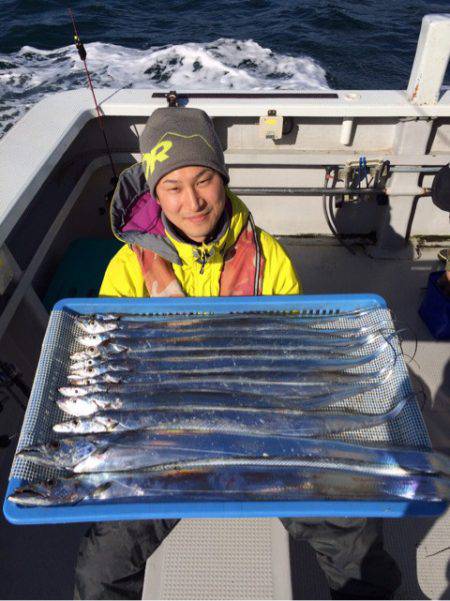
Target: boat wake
(30, 74)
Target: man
(196, 238)
(187, 234)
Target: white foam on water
(30, 74)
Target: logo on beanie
(157, 153)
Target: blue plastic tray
(414, 433)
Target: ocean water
(204, 44)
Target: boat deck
(419, 545)
(38, 562)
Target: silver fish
(166, 360)
(110, 349)
(263, 383)
(245, 327)
(90, 404)
(145, 448)
(107, 352)
(267, 482)
(150, 338)
(223, 363)
(304, 401)
(93, 324)
(94, 402)
(257, 421)
(147, 348)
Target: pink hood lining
(145, 216)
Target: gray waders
(112, 557)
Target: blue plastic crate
(409, 431)
(435, 308)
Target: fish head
(78, 377)
(85, 363)
(79, 406)
(79, 391)
(92, 340)
(89, 363)
(82, 382)
(89, 353)
(93, 371)
(89, 404)
(62, 453)
(63, 491)
(94, 326)
(73, 391)
(95, 424)
(71, 426)
(79, 356)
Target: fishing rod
(83, 54)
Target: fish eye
(54, 444)
(52, 481)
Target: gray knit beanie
(179, 137)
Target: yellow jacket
(123, 277)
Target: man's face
(193, 199)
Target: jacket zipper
(202, 263)
(202, 257)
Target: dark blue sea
(207, 44)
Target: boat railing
(34, 149)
